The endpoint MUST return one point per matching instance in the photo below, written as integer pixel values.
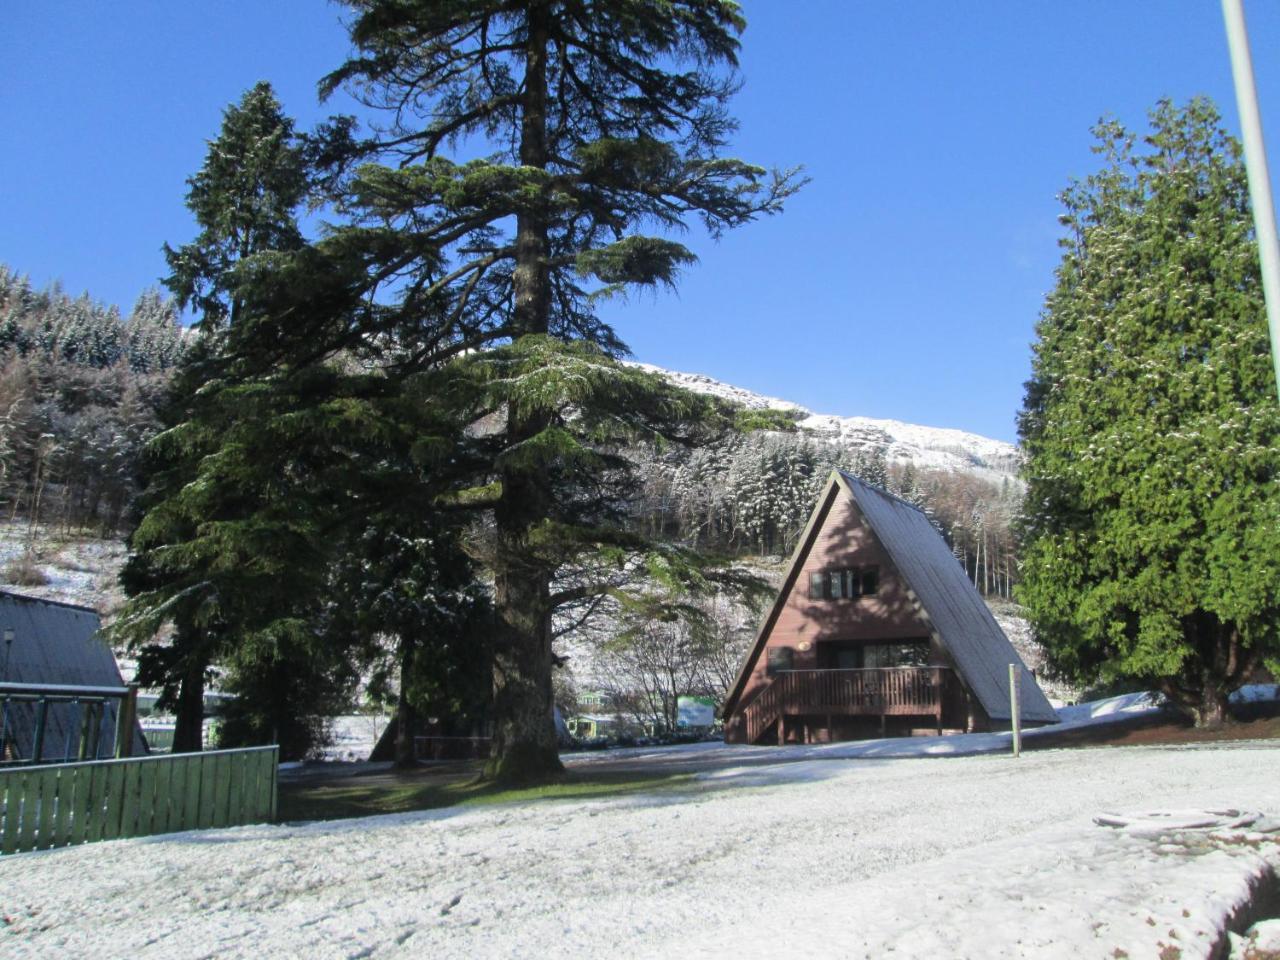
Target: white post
(1255, 161)
(1014, 683)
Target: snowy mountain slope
(938, 448)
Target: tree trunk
(531, 282)
(1220, 664)
(1211, 710)
(524, 748)
(188, 728)
(406, 713)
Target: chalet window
(870, 580)
(779, 659)
(914, 654)
(837, 582)
(849, 583)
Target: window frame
(844, 583)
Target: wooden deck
(873, 692)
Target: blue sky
(903, 282)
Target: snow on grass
(980, 856)
(77, 569)
(1126, 706)
(354, 736)
(1260, 942)
(1110, 708)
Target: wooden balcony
(875, 692)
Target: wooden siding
(923, 595)
(903, 692)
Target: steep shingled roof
(951, 603)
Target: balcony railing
(54, 723)
(877, 691)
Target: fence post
(37, 738)
(126, 714)
(1015, 679)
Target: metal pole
(1015, 715)
(1255, 161)
(8, 648)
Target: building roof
(946, 600)
(56, 643)
(950, 603)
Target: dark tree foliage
(245, 198)
(295, 446)
(409, 594)
(591, 121)
(1152, 431)
(193, 554)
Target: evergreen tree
(244, 198)
(770, 488)
(873, 466)
(97, 410)
(199, 500)
(297, 439)
(153, 335)
(1152, 431)
(589, 132)
(407, 591)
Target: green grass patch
(430, 790)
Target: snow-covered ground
(1130, 705)
(976, 856)
(354, 736)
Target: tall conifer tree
(244, 199)
(590, 121)
(1152, 432)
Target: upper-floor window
(780, 658)
(846, 584)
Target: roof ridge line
(56, 603)
(881, 490)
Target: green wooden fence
(68, 803)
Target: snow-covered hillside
(73, 569)
(929, 447)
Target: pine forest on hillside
(80, 384)
(79, 388)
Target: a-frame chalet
(876, 631)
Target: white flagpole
(1255, 159)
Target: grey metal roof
(56, 643)
(951, 603)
